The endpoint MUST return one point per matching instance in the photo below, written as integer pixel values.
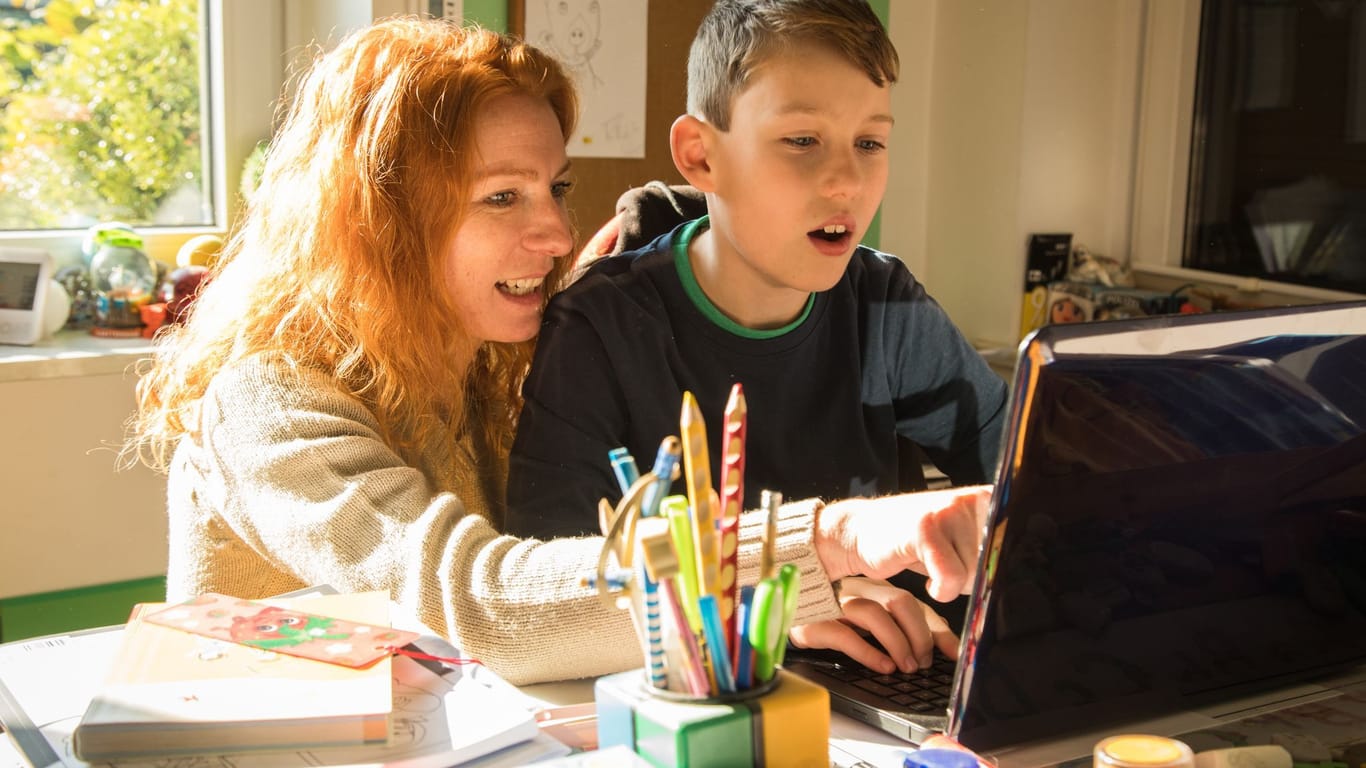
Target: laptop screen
(1179, 519)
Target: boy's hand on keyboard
(937, 533)
(907, 630)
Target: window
(103, 115)
(1278, 151)
(1197, 173)
(242, 53)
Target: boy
(840, 351)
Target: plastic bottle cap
(119, 238)
(939, 758)
(1136, 750)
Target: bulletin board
(600, 181)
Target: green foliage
(252, 168)
(105, 122)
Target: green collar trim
(704, 304)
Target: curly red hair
(337, 263)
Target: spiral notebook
(1179, 524)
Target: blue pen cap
(939, 758)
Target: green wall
(490, 14)
(873, 239)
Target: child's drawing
(606, 62)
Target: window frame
(1166, 107)
(241, 34)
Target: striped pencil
(732, 501)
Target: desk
(1333, 715)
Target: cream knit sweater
(287, 484)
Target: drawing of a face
(575, 26)
(270, 623)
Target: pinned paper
(285, 631)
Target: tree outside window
(100, 114)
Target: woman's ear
(689, 141)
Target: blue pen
(744, 670)
(624, 466)
(716, 642)
(666, 463)
(615, 581)
(654, 629)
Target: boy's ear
(689, 141)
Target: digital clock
(24, 274)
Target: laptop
(1179, 520)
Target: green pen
(766, 633)
(675, 510)
(791, 581)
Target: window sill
(1244, 290)
(70, 354)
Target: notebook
(1179, 520)
(170, 692)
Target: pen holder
(785, 721)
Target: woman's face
(517, 223)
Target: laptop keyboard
(923, 691)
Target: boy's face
(799, 175)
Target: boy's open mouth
(833, 233)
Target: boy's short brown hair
(736, 36)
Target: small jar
(124, 279)
(1137, 750)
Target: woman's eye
(871, 145)
(801, 141)
(561, 188)
(501, 199)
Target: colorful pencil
(666, 466)
(770, 501)
(662, 565)
(732, 502)
(697, 470)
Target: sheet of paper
(609, 69)
(9, 754)
(856, 745)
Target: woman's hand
(907, 629)
(937, 533)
